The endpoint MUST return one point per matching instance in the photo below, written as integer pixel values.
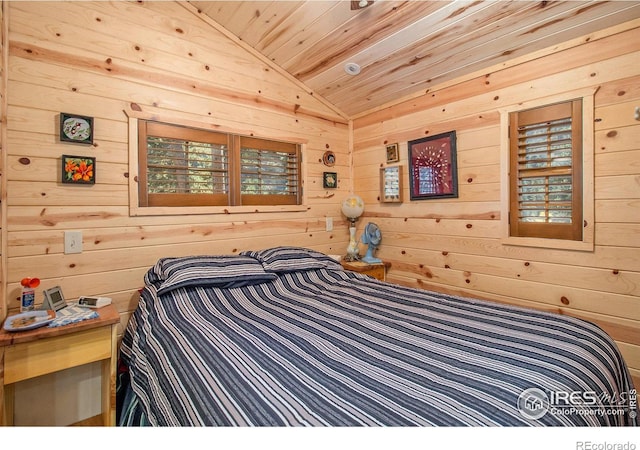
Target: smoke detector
(352, 68)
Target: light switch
(329, 223)
(72, 242)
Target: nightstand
(29, 354)
(378, 271)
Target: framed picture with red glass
(433, 170)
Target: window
(181, 166)
(546, 181)
(269, 173)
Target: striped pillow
(224, 271)
(291, 259)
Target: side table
(378, 271)
(31, 353)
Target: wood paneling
(454, 245)
(168, 60)
(4, 56)
(71, 57)
(407, 47)
(5, 404)
(173, 65)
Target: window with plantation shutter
(269, 172)
(182, 166)
(546, 172)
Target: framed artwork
(432, 167)
(329, 158)
(329, 180)
(393, 154)
(76, 128)
(391, 184)
(78, 169)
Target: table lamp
(352, 208)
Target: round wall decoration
(329, 159)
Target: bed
(286, 337)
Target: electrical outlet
(329, 223)
(72, 242)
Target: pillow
(290, 259)
(224, 271)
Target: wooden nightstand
(29, 354)
(378, 271)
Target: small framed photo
(329, 159)
(78, 169)
(432, 167)
(393, 155)
(391, 184)
(54, 299)
(76, 128)
(329, 180)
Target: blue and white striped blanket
(326, 347)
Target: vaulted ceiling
(404, 47)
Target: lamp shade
(352, 207)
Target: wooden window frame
(580, 236)
(234, 198)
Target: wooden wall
(158, 59)
(454, 245)
(3, 157)
(153, 60)
(161, 59)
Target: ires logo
(535, 403)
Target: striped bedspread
(326, 347)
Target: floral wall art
(78, 169)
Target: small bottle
(28, 296)
(28, 299)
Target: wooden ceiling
(404, 47)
